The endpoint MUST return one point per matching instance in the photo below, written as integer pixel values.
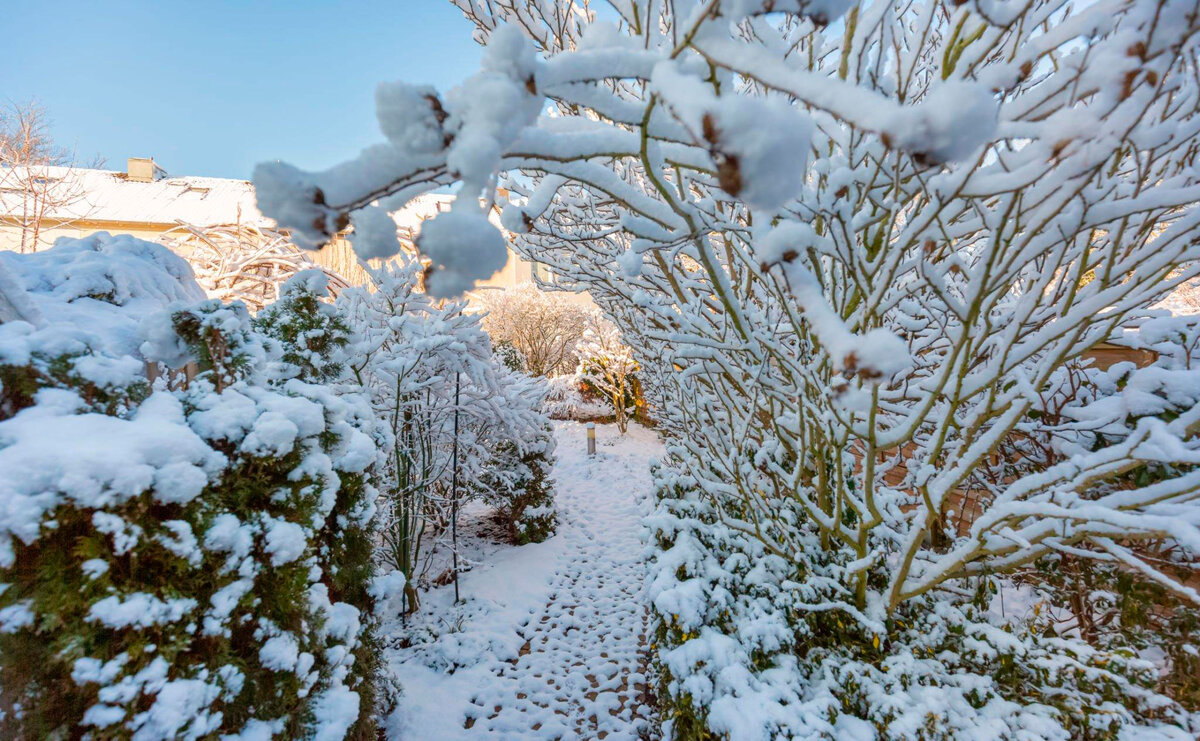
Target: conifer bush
(106, 385)
(507, 354)
(517, 482)
(189, 563)
(313, 335)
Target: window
(542, 272)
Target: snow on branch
(854, 248)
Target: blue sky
(214, 87)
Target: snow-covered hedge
(1097, 651)
(175, 564)
(741, 657)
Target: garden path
(552, 640)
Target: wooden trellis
(243, 262)
(178, 379)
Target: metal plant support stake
(454, 489)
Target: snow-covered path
(552, 642)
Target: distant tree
(33, 187)
(25, 136)
(544, 326)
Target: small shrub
(312, 333)
(569, 397)
(453, 412)
(507, 354)
(518, 484)
(607, 368)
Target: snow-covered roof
(106, 195)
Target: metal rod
(454, 488)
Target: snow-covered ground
(550, 640)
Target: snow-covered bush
(607, 365)
(517, 482)
(544, 326)
(1106, 601)
(850, 245)
(453, 410)
(172, 561)
(86, 299)
(568, 397)
(737, 628)
(313, 335)
(507, 354)
(98, 289)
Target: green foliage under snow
(185, 563)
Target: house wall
(10, 234)
(116, 202)
(338, 256)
